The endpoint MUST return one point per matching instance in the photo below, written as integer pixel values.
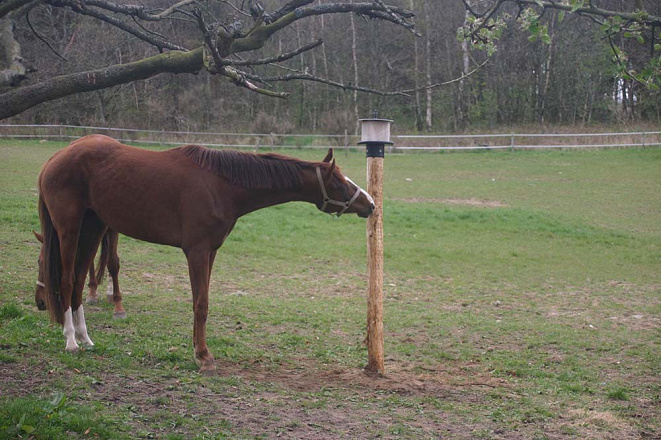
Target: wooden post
(375, 135)
(375, 363)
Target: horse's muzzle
(367, 212)
(41, 305)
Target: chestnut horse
(108, 259)
(189, 197)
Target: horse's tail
(52, 264)
(103, 258)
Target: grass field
(522, 301)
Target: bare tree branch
(275, 59)
(308, 77)
(133, 10)
(590, 10)
(445, 83)
(8, 6)
(289, 7)
(21, 99)
(80, 7)
(222, 39)
(241, 79)
(259, 36)
(42, 39)
(297, 75)
(409, 26)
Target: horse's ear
(329, 155)
(39, 236)
(331, 168)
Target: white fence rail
(502, 141)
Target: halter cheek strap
(328, 200)
(40, 284)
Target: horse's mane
(249, 170)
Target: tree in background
(227, 41)
(631, 30)
(514, 63)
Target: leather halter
(328, 200)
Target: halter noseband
(328, 200)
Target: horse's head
(40, 291)
(338, 193)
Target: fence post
(375, 134)
(272, 140)
(511, 142)
(346, 143)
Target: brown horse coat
(189, 197)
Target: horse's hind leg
(113, 269)
(199, 266)
(68, 247)
(93, 285)
(90, 236)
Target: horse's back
(138, 192)
(92, 140)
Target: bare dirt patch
(399, 378)
(456, 201)
(303, 400)
(589, 423)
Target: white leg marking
(109, 289)
(69, 331)
(81, 327)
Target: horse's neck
(255, 199)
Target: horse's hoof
(91, 300)
(208, 370)
(119, 315)
(75, 349)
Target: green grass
(522, 300)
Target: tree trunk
(462, 106)
(547, 72)
(354, 57)
(102, 106)
(324, 58)
(428, 118)
(416, 76)
(12, 67)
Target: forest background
(567, 78)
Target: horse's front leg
(199, 268)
